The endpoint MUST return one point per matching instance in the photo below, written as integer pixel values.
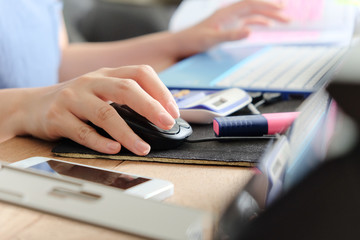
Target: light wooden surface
(209, 188)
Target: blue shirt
(29, 42)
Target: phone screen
(113, 179)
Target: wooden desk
(209, 188)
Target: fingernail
(166, 119)
(113, 146)
(141, 147)
(173, 109)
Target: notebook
(287, 69)
(293, 58)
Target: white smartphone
(144, 187)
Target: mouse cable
(230, 138)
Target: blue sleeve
(29, 42)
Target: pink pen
(253, 125)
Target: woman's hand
(227, 24)
(63, 110)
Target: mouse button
(186, 132)
(172, 131)
(181, 122)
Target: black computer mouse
(157, 138)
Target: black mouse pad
(235, 152)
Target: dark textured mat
(238, 153)
(235, 152)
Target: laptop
(287, 69)
(293, 58)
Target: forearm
(159, 50)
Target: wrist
(12, 112)
(182, 44)
(190, 41)
(20, 113)
(172, 46)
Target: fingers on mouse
(157, 138)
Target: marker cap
(279, 122)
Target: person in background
(50, 89)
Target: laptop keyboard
(283, 68)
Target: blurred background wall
(108, 20)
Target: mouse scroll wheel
(182, 123)
(174, 130)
